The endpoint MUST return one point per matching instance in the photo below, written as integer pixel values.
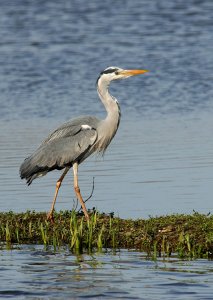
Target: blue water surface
(161, 159)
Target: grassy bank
(190, 236)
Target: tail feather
(30, 171)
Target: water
(152, 168)
(41, 274)
(161, 159)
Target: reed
(100, 239)
(189, 236)
(7, 234)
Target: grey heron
(71, 143)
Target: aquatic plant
(190, 236)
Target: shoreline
(188, 236)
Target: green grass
(190, 236)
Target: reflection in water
(33, 272)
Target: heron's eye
(116, 73)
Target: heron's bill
(133, 72)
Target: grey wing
(61, 149)
(65, 150)
(72, 127)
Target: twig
(93, 187)
(90, 196)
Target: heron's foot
(86, 216)
(50, 217)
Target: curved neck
(110, 103)
(109, 125)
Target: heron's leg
(58, 184)
(77, 190)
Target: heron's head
(114, 73)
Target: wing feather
(72, 127)
(65, 150)
(58, 151)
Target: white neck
(110, 103)
(109, 125)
